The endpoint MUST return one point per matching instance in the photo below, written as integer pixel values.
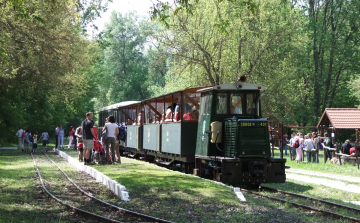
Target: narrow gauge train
(213, 132)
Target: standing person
(79, 143)
(121, 137)
(299, 139)
(293, 149)
(35, 142)
(45, 140)
(88, 136)
(71, 132)
(56, 136)
(112, 131)
(61, 137)
(328, 144)
(284, 143)
(20, 136)
(315, 151)
(309, 146)
(26, 141)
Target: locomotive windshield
(236, 103)
(250, 103)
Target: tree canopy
(305, 52)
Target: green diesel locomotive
(214, 132)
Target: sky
(141, 6)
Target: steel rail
(311, 198)
(304, 206)
(148, 217)
(65, 204)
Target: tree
(206, 53)
(41, 65)
(334, 34)
(125, 60)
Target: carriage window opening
(170, 108)
(152, 110)
(191, 106)
(147, 114)
(236, 103)
(160, 110)
(221, 103)
(250, 103)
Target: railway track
(284, 197)
(73, 199)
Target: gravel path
(320, 174)
(312, 177)
(345, 186)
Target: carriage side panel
(171, 138)
(151, 137)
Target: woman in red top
(71, 132)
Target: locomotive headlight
(263, 152)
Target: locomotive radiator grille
(230, 137)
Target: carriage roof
(118, 105)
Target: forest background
(305, 52)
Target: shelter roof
(341, 118)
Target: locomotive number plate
(253, 124)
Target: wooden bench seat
(345, 157)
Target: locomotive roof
(186, 90)
(118, 105)
(235, 86)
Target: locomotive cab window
(221, 103)
(251, 103)
(236, 103)
(205, 104)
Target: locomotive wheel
(187, 168)
(184, 166)
(190, 169)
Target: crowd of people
(83, 139)
(310, 144)
(90, 149)
(29, 142)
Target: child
(35, 142)
(45, 140)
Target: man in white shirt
(19, 134)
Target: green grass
(21, 199)
(153, 190)
(181, 189)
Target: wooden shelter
(340, 118)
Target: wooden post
(357, 147)
(281, 141)
(334, 141)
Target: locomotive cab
(237, 152)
